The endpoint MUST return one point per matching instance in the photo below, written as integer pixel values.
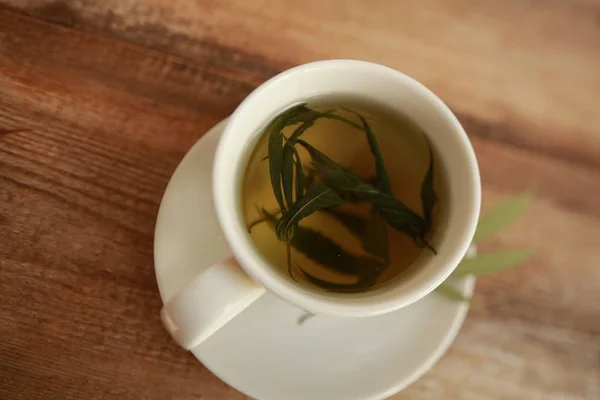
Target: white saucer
(263, 352)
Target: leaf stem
(267, 216)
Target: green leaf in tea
(423, 243)
(502, 215)
(310, 177)
(335, 287)
(356, 224)
(307, 123)
(383, 179)
(324, 163)
(300, 177)
(428, 195)
(265, 216)
(287, 175)
(297, 114)
(256, 222)
(291, 116)
(317, 197)
(330, 255)
(327, 253)
(375, 240)
(300, 192)
(276, 166)
(280, 159)
(396, 213)
(372, 232)
(342, 119)
(343, 180)
(492, 262)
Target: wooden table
(113, 93)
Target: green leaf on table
(502, 215)
(451, 292)
(319, 196)
(488, 263)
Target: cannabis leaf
(318, 196)
(375, 240)
(502, 215)
(287, 174)
(491, 262)
(327, 253)
(346, 182)
(276, 166)
(451, 292)
(356, 224)
(326, 185)
(428, 195)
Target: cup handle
(207, 302)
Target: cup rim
(228, 211)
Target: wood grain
(113, 93)
(489, 59)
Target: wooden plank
(79, 194)
(532, 65)
(109, 120)
(508, 360)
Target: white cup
(225, 289)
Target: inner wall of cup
(383, 85)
